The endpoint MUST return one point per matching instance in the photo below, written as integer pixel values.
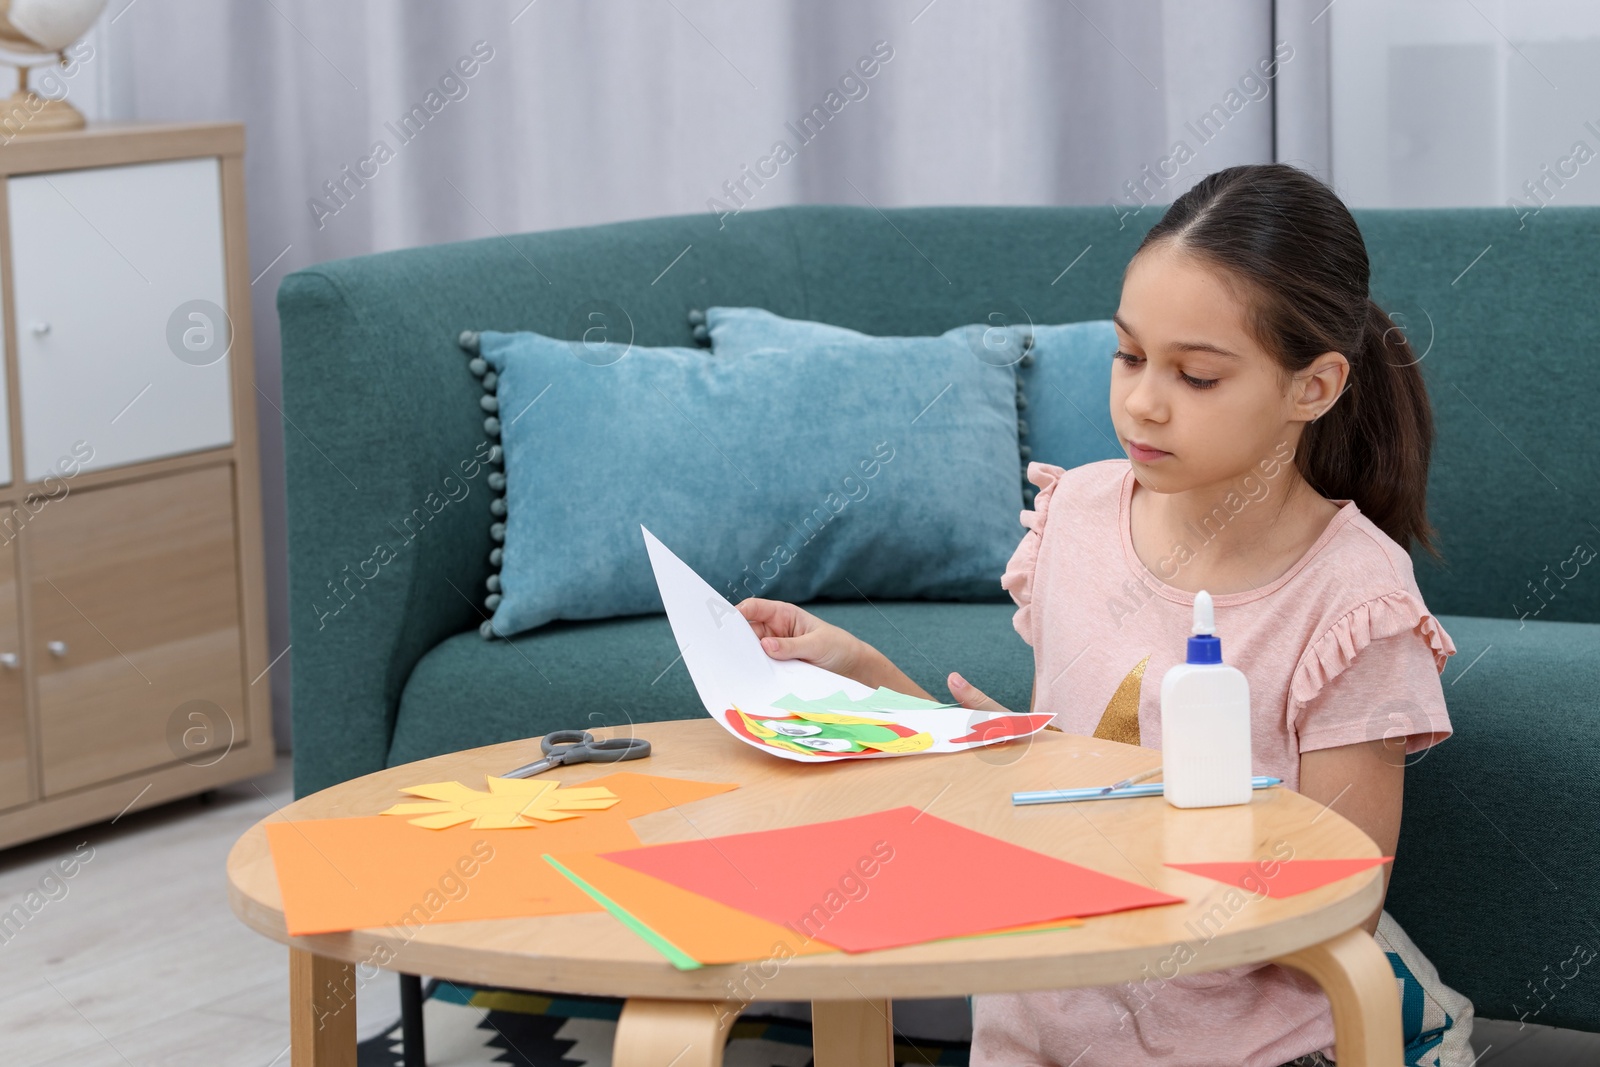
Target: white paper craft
(797, 710)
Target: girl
(1278, 433)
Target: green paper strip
(675, 955)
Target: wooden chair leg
(322, 1011)
(852, 1033)
(671, 1033)
(1356, 975)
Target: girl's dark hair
(1291, 251)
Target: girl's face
(1195, 400)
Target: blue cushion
(744, 330)
(824, 474)
(1066, 376)
(1068, 389)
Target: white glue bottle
(1205, 723)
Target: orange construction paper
(1280, 878)
(1034, 928)
(643, 794)
(708, 931)
(349, 874)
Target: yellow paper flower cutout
(509, 803)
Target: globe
(41, 28)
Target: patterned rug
(468, 1027)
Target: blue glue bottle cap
(1204, 645)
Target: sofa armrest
(388, 516)
(1497, 875)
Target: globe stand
(25, 112)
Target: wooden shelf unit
(133, 638)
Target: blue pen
(1148, 789)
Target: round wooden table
(678, 1017)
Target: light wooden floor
(141, 964)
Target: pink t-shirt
(1338, 650)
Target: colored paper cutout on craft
(373, 872)
(1003, 727)
(1289, 878)
(890, 878)
(826, 735)
(510, 803)
(645, 794)
(881, 700)
(699, 928)
(743, 688)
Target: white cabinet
(5, 409)
(119, 285)
(133, 642)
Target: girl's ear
(1320, 385)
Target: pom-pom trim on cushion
(1024, 452)
(698, 329)
(1385, 616)
(489, 403)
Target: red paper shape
(896, 877)
(1280, 878)
(1004, 726)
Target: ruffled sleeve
(1374, 674)
(1018, 577)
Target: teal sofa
(1500, 852)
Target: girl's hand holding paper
(799, 710)
(787, 631)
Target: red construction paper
(1280, 878)
(896, 877)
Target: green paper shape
(675, 955)
(879, 701)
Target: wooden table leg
(1356, 975)
(849, 1033)
(671, 1033)
(322, 1011)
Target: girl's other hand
(788, 631)
(970, 696)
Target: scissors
(579, 746)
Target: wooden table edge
(794, 980)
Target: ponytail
(1373, 445)
(1303, 266)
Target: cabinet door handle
(9, 660)
(40, 329)
(58, 649)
